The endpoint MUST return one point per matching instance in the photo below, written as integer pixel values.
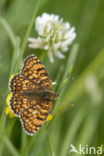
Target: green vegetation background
(77, 118)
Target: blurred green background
(78, 112)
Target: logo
(86, 149)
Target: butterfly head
(55, 95)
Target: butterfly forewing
(34, 117)
(36, 73)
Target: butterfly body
(32, 95)
(40, 94)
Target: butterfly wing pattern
(28, 91)
(34, 71)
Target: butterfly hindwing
(19, 103)
(18, 85)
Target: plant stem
(50, 147)
(70, 62)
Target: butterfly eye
(55, 95)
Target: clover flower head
(55, 36)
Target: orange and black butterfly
(32, 95)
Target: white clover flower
(55, 36)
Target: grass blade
(78, 86)
(8, 30)
(27, 36)
(10, 146)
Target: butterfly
(32, 95)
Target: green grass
(77, 115)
